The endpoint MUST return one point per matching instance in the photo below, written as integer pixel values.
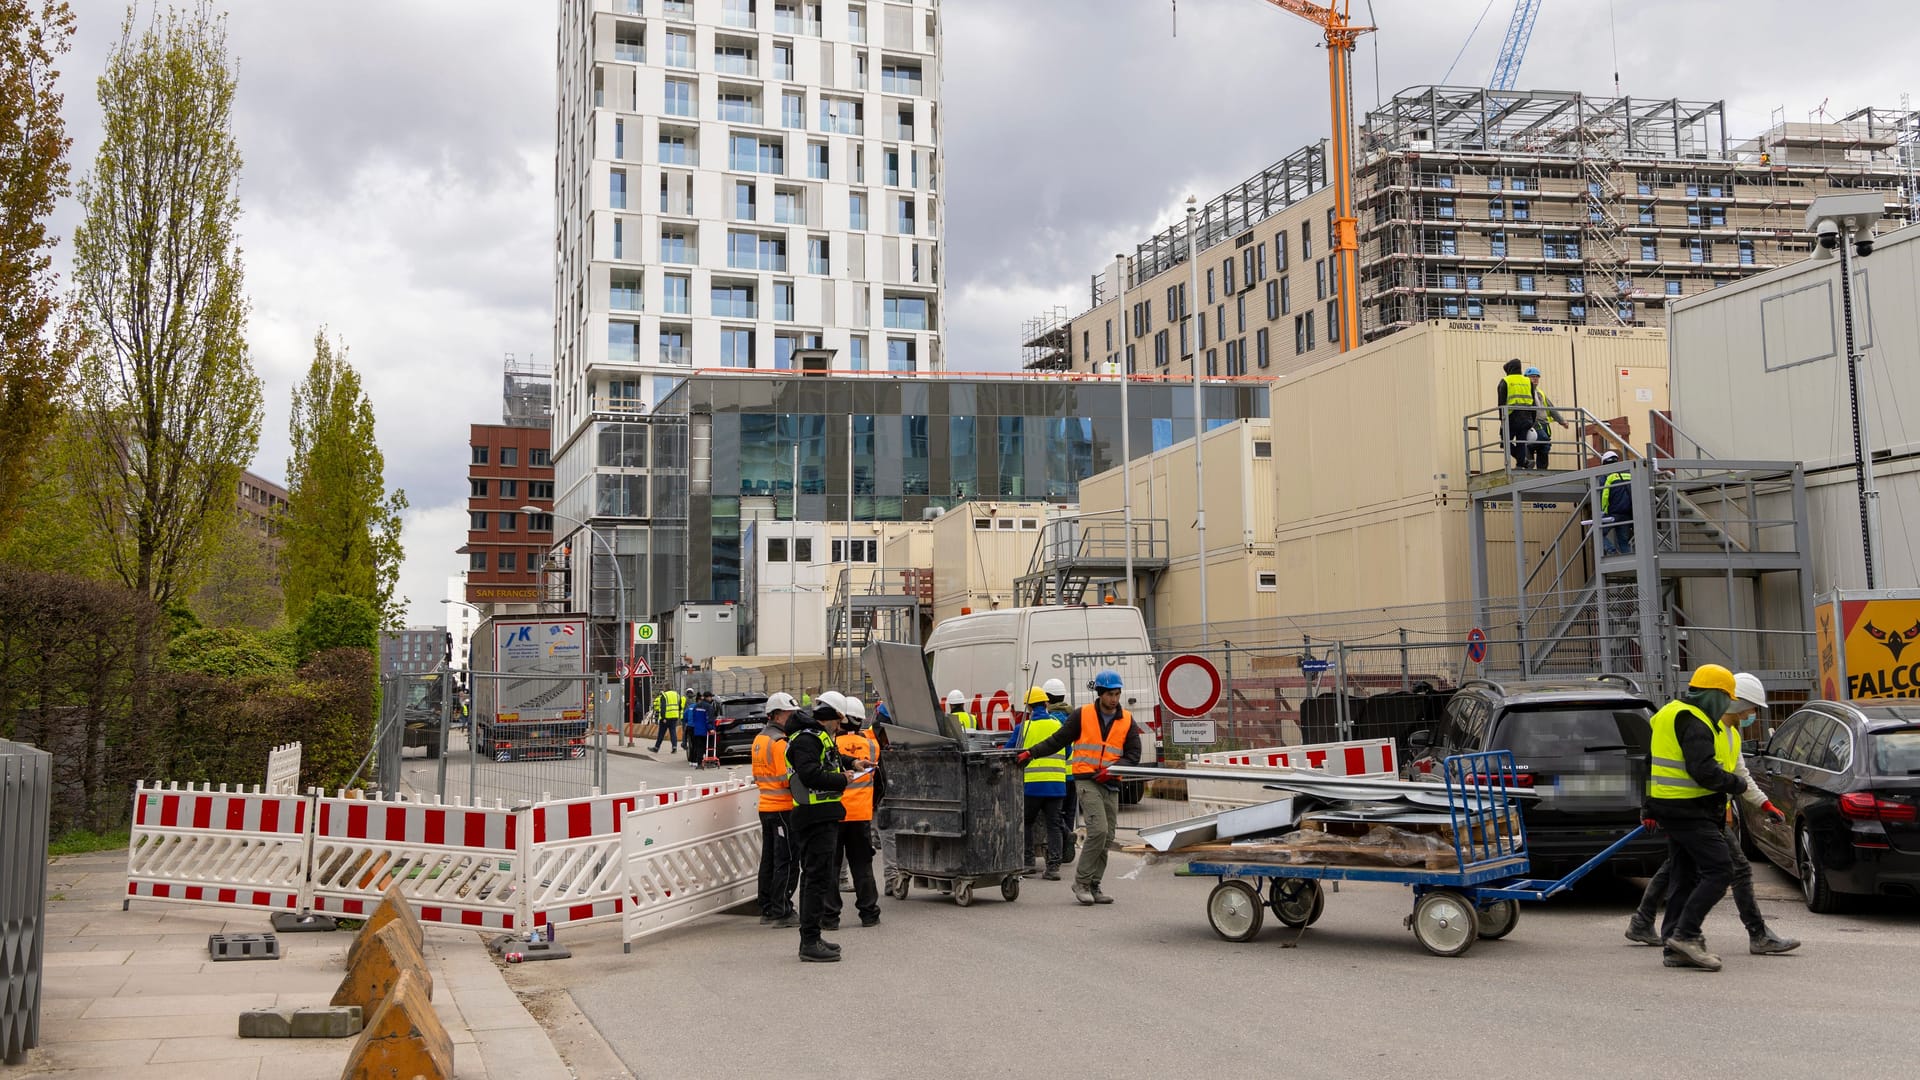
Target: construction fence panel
(283, 770)
(1366, 757)
(576, 871)
(459, 865)
(26, 796)
(690, 857)
(524, 762)
(240, 847)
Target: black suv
(737, 722)
(1580, 743)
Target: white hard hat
(854, 710)
(955, 697)
(1054, 688)
(832, 699)
(1609, 457)
(1749, 689)
(781, 701)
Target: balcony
(736, 65)
(679, 355)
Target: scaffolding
(1046, 341)
(1563, 123)
(527, 400)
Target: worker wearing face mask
(1749, 698)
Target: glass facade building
(801, 447)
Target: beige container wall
(976, 568)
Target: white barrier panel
(689, 858)
(459, 865)
(283, 770)
(574, 868)
(243, 848)
(1362, 757)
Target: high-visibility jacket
(966, 719)
(1046, 770)
(1669, 778)
(1091, 752)
(770, 772)
(1621, 479)
(858, 798)
(812, 742)
(670, 705)
(1519, 391)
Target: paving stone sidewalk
(133, 994)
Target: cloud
(423, 581)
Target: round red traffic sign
(1189, 685)
(1476, 645)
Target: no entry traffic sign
(1476, 645)
(1189, 685)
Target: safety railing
(1490, 445)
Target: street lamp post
(620, 583)
(1199, 414)
(1126, 421)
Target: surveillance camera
(1863, 248)
(1829, 232)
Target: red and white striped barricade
(459, 865)
(239, 847)
(574, 869)
(1373, 758)
(690, 857)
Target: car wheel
(1820, 897)
(1132, 791)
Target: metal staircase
(1076, 554)
(1601, 235)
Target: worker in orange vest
(1104, 736)
(860, 752)
(779, 874)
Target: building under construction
(1506, 206)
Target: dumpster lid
(899, 673)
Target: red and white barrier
(690, 857)
(1371, 758)
(283, 770)
(240, 847)
(459, 865)
(575, 873)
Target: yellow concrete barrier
(378, 966)
(403, 1038)
(393, 908)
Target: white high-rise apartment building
(738, 181)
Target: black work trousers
(1697, 857)
(1742, 867)
(778, 872)
(1045, 809)
(813, 847)
(1520, 432)
(855, 848)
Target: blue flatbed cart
(1452, 908)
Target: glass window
(793, 111)
(509, 521)
(776, 549)
(678, 289)
(617, 189)
(1897, 752)
(899, 77)
(540, 458)
(479, 455)
(679, 48)
(510, 562)
(676, 149)
(477, 520)
(736, 348)
(676, 246)
(1649, 249)
(905, 312)
(477, 489)
(901, 355)
(857, 353)
(817, 161)
(905, 226)
(509, 456)
(857, 210)
(679, 97)
(733, 301)
(783, 301)
(818, 252)
(477, 561)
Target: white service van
(994, 657)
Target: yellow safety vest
(1606, 492)
(1519, 390)
(812, 742)
(966, 720)
(1669, 778)
(670, 705)
(1046, 770)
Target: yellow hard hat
(1714, 677)
(1036, 696)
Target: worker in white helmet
(957, 708)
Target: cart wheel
(1444, 923)
(902, 885)
(1233, 907)
(1498, 919)
(1010, 888)
(1297, 902)
(963, 892)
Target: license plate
(1584, 784)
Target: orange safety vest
(770, 772)
(1091, 753)
(858, 798)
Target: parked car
(1580, 744)
(741, 718)
(1847, 777)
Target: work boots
(1052, 874)
(1083, 894)
(818, 952)
(1767, 943)
(1683, 952)
(1642, 931)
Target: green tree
(333, 621)
(341, 527)
(245, 589)
(36, 353)
(168, 401)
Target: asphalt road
(1145, 988)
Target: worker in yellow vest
(1045, 783)
(1694, 767)
(860, 753)
(779, 874)
(957, 708)
(1515, 396)
(666, 710)
(1105, 736)
(1616, 507)
(817, 780)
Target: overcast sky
(399, 158)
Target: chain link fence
(560, 753)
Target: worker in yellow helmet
(1694, 767)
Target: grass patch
(81, 841)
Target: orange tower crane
(1340, 34)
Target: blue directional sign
(1316, 667)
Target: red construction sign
(1189, 685)
(640, 669)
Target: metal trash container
(26, 779)
(957, 815)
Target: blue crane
(1514, 49)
